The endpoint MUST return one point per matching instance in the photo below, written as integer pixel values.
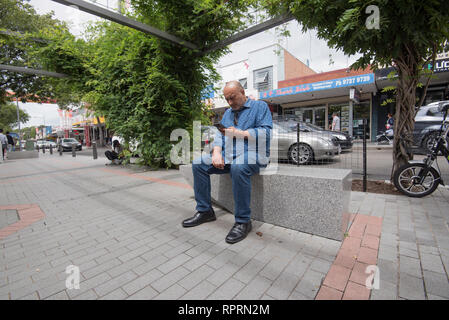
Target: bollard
(94, 150)
(60, 149)
(73, 150)
(51, 149)
(37, 147)
(364, 154)
(297, 144)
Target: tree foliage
(409, 36)
(20, 25)
(144, 86)
(8, 116)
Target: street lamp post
(18, 121)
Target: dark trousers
(111, 155)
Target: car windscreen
(69, 140)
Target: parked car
(67, 144)
(313, 145)
(40, 144)
(50, 143)
(427, 123)
(344, 140)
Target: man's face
(235, 97)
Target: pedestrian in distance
(4, 144)
(10, 141)
(246, 120)
(335, 126)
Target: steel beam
(16, 34)
(32, 71)
(121, 19)
(250, 32)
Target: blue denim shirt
(254, 117)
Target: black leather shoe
(238, 232)
(199, 218)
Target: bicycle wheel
(406, 179)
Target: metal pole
(73, 150)
(297, 144)
(60, 148)
(364, 155)
(18, 121)
(51, 149)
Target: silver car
(312, 145)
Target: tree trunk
(408, 72)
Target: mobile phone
(220, 126)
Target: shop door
(307, 116)
(319, 117)
(361, 111)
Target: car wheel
(305, 154)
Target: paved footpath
(122, 229)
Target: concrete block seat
(311, 200)
(16, 155)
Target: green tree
(146, 87)
(29, 133)
(408, 35)
(8, 116)
(19, 29)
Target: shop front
(350, 97)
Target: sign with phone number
(322, 85)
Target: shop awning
(320, 90)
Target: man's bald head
(234, 84)
(234, 94)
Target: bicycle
(420, 178)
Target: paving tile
(410, 266)
(367, 255)
(146, 293)
(310, 283)
(172, 293)
(436, 284)
(337, 277)
(228, 290)
(411, 288)
(200, 292)
(327, 293)
(355, 291)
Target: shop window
(263, 79)
(244, 83)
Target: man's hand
(217, 159)
(233, 132)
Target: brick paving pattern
(122, 228)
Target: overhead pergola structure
(123, 20)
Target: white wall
(268, 56)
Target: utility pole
(18, 121)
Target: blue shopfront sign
(322, 85)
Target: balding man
(242, 148)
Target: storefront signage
(322, 85)
(440, 66)
(354, 95)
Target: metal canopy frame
(4, 67)
(121, 19)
